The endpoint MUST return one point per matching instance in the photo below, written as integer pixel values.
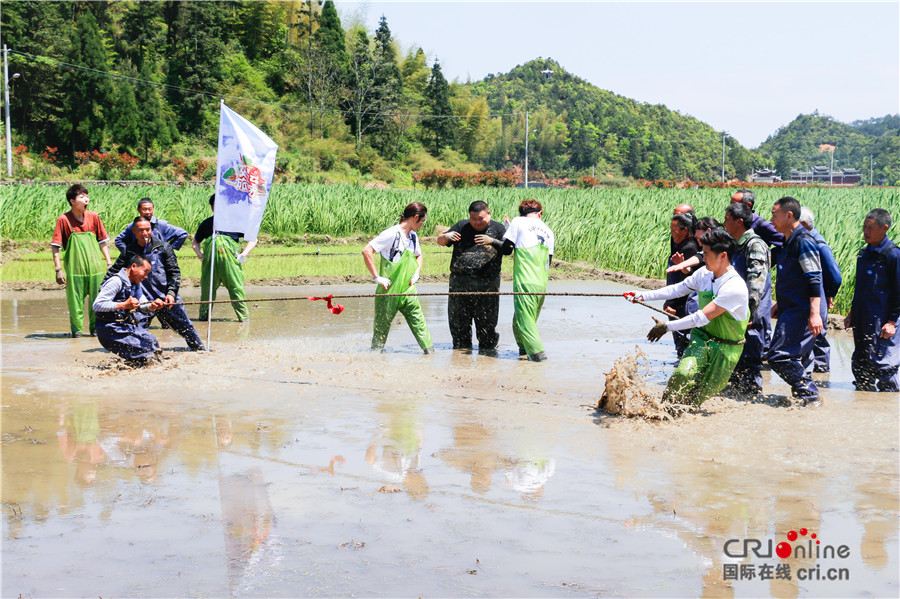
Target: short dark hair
(143, 201)
(136, 260)
(881, 217)
(789, 204)
(530, 205)
(141, 219)
(478, 206)
(74, 191)
(741, 212)
(707, 223)
(748, 198)
(719, 241)
(684, 221)
(212, 200)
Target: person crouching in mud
(122, 324)
(717, 329)
(398, 271)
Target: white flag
(244, 171)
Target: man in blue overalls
(162, 229)
(163, 281)
(121, 321)
(831, 282)
(800, 305)
(876, 307)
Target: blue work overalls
(831, 283)
(125, 333)
(876, 300)
(792, 342)
(155, 287)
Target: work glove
(383, 281)
(631, 296)
(241, 258)
(658, 330)
(60, 277)
(414, 278)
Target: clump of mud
(628, 393)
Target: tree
(156, 125)
(440, 126)
(364, 97)
(196, 50)
(89, 96)
(330, 36)
(317, 77)
(124, 114)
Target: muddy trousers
(792, 345)
(527, 310)
(79, 287)
(483, 310)
(228, 272)
(385, 310)
(129, 341)
(875, 362)
(703, 371)
(177, 319)
(747, 375)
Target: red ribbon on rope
(335, 309)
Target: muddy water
(293, 462)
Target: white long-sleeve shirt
(730, 292)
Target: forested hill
(130, 90)
(806, 141)
(579, 126)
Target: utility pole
(723, 156)
(831, 171)
(6, 103)
(526, 149)
(871, 169)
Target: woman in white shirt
(398, 271)
(533, 242)
(717, 329)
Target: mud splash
(629, 393)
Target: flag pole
(212, 272)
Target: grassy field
(620, 229)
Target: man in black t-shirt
(475, 266)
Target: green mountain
(576, 125)
(806, 141)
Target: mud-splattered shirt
(477, 261)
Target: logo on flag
(246, 179)
(245, 168)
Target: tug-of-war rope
(338, 308)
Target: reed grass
(616, 229)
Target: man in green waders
(229, 269)
(533, 242)
(398, 271)
(717, 329)
(80, 234)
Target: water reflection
(400, 445)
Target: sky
(746, 68)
